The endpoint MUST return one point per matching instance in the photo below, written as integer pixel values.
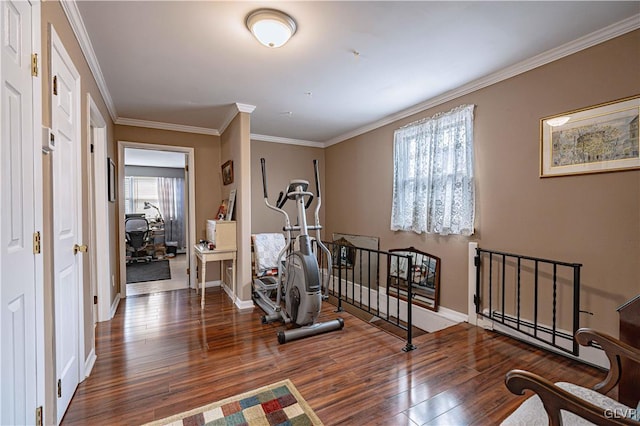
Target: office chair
(138, 238)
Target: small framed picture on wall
(227, 172)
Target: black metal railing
(359, 278)
(537, 297)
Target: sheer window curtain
(171, 200)
(433, 184)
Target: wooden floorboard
(161, 355)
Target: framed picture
(232, 203)
(601, 138)
(111, 180)
(227, 172)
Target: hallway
(162, 355)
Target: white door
(18, 326)
(67, 220)
(101, 245)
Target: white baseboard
(586, 354)
(207, 284)
(244, 304)
(227, 290)
(450, 314)
(114, 306)
(89, 363)
(422, 318)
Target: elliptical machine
(298, 290)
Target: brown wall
(52, 14)
(208, 178)
(283, 163)
(236, 144)
(590, 219)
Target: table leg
(202, 278)
(222, 277)
(233, 277)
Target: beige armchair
(579, 405)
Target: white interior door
(101, 249)
(67, 222)
(18, 327)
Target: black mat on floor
(151, 271)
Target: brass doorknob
(83, 248)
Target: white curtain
(433, 185)
(171, 200)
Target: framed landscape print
(600, 138)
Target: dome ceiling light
(271, 27)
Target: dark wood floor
(162, 355)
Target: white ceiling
(350, 67)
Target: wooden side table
(217, 255)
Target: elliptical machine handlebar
(264, 179)
(315, 170)
(318, 227)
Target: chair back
(137, 232)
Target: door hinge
(92, 148)
(95, 300)
(34, 65)
(59, 388)
(36, 242)
(55, 85)
(186, 168)
(188, 271)
(39, 416)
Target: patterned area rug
(276, 404)
(148, 271)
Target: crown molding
(607, 33)
(77, 24)
(288, 141)
(245, 108)
(75, 20)
(233, 111)
(166, 126)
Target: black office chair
(138, 238)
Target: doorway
(157, 217)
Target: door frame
(191, 225)
(99, 211)
(38, 205)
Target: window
(137, 190)
(433, 185)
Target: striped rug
(276, 404)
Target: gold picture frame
(227, 172)
(600, 138)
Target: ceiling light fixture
(271, 27)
